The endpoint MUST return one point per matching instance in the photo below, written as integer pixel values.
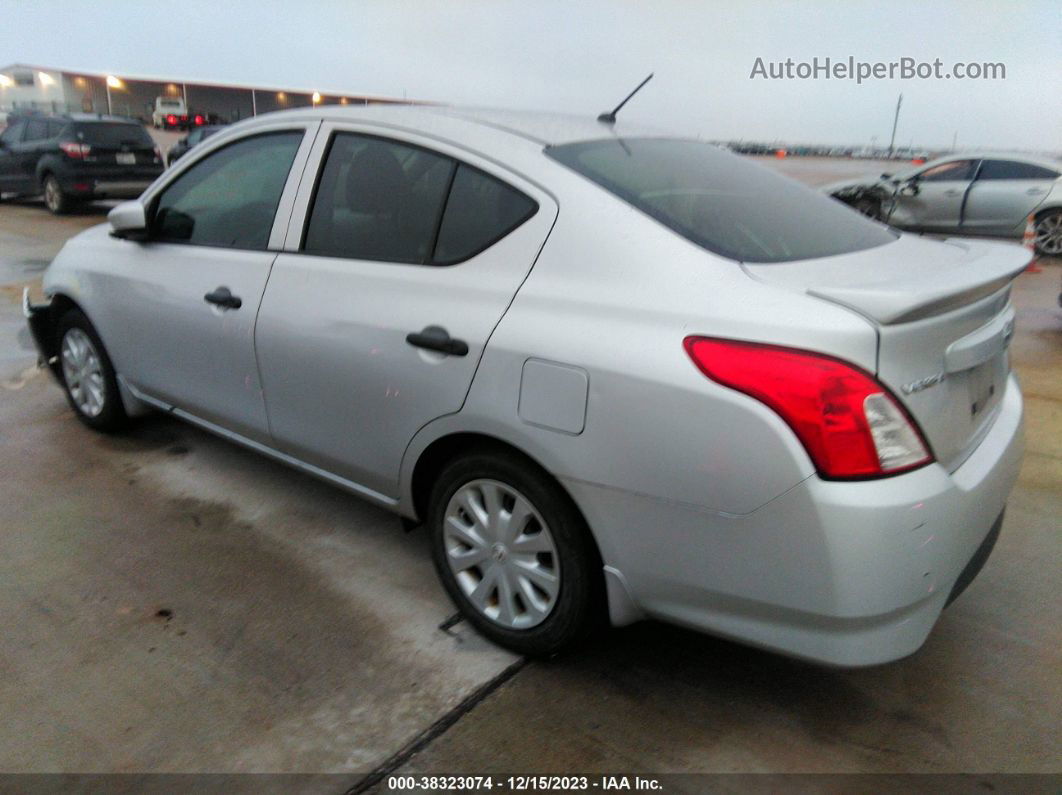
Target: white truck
(169, 113)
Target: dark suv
(76, 157)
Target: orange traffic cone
(1028, 239)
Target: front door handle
(436, 338)
(952, 192)
(1036, 191)
(224, 298)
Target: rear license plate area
(125, 158)
(983, 382)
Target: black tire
(580, 599)
(55, 199)
(112, 416)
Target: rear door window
(228, 199)
(385, 200)
(720, 201)
(36, 130)
(1012, 169)
(378, 199)
(480, 211)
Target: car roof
(541, 128)
(78, 117)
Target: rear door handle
(1035, 191)
(436, 338)
(224, 298)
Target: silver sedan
(612, 374)
(975, 194)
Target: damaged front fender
(42, 328)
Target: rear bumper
(840, 573)
(109, 184)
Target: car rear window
(721, 202)
(104, 134)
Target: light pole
(895, 120)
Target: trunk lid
(944, 321)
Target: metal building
(51, 89)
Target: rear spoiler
(989, 270)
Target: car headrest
(376, 182)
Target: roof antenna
(610, 117)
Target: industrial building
(25, 87)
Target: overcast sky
(584, 56)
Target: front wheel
(513, 553)
(88, 375)
(1047, 231)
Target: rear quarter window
(480, 211)
(722, 202)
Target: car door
(29, 152)
(1004, 194)
(10, 140)
(933, 199)
(397, 268)
(179, 313)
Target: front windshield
(720, 201)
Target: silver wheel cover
(501, 553)
(1048, 232)
(82, 372)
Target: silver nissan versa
(611, 372)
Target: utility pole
(895, 120)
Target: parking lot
(172, 602)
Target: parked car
(169, 113)
(194, 137)
(974, 194)
(600, 368)
(76, 157)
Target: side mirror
(910, 188)
(128, 221)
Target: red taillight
(75, 150)
(850, 425)
(171, 119)
(199, 120)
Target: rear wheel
(513, 552)
(1047, 230)
(55, 199)
(87, 374)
